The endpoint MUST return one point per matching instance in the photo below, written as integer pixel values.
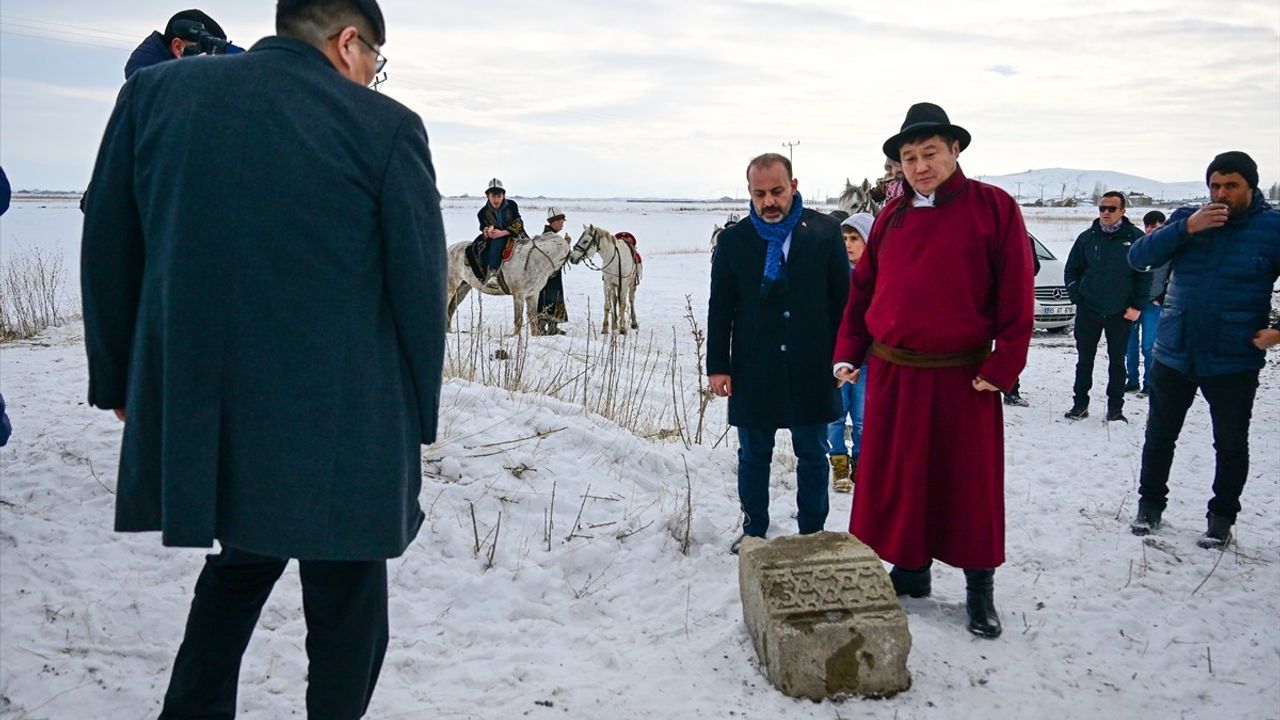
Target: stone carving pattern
(824, 587)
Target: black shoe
(736, 544)
(1146, 521)
(1131, 387)
(1116, 416)
(1217, 535)
(1016, 400)
(1079, 411)
(980, 602)
(916, 583)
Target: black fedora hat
(924, 116)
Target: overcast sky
(671, 98)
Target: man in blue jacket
(1213, 334)
(170, 45)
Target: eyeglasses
(1108, 208)
(382, 61)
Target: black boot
(980, 588)
(1079, 411)
(1147, 520)
(1217, 535)
(917, 583)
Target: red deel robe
(945, 279)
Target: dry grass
(620, 377)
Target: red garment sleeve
(853, 340)
(1014, 298)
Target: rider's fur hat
(495, 185)
(554, 213)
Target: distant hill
(1027, 186)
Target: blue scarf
(775, 234)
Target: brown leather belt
(917, 359)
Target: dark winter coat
(510, 221)
(778, 349)
(267, 304)
(151, 51)
(1219, 292)
(1098, 275)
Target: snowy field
(549, 580)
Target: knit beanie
(1234, 161)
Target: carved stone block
(823, 616)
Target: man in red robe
(946, 274)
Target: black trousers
(345, 604)
(1090, 327)
(1230, 399)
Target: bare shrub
(33, 284)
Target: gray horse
(522, 276)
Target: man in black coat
(1107, 294)
(263, 285)
(778, 289)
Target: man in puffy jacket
(1107, 294)
(1213, 334)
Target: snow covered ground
(548, 580)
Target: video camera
(206, 43)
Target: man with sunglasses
(272, 335)
(1107, 294)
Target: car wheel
(1063, 330)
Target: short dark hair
(315, 21)
(1116, 194)
(210, 25)
(923, 134)
(1155, 217)
(768, 160)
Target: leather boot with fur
(841, 473)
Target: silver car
(1054, 311)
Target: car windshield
(1042, 252)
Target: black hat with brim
(924, 116)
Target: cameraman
(181, 37)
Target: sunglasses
(1108, 208)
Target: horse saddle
(477, 251)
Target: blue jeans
(755, 453)
(853, 397)
(1146, 327)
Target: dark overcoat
(777, 349)
(263, 270)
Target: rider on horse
(500, 224)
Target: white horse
(734, 218)
(618, 270)
(858, 199)
(522, 276)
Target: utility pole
(1019, 191)
(789, 146)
